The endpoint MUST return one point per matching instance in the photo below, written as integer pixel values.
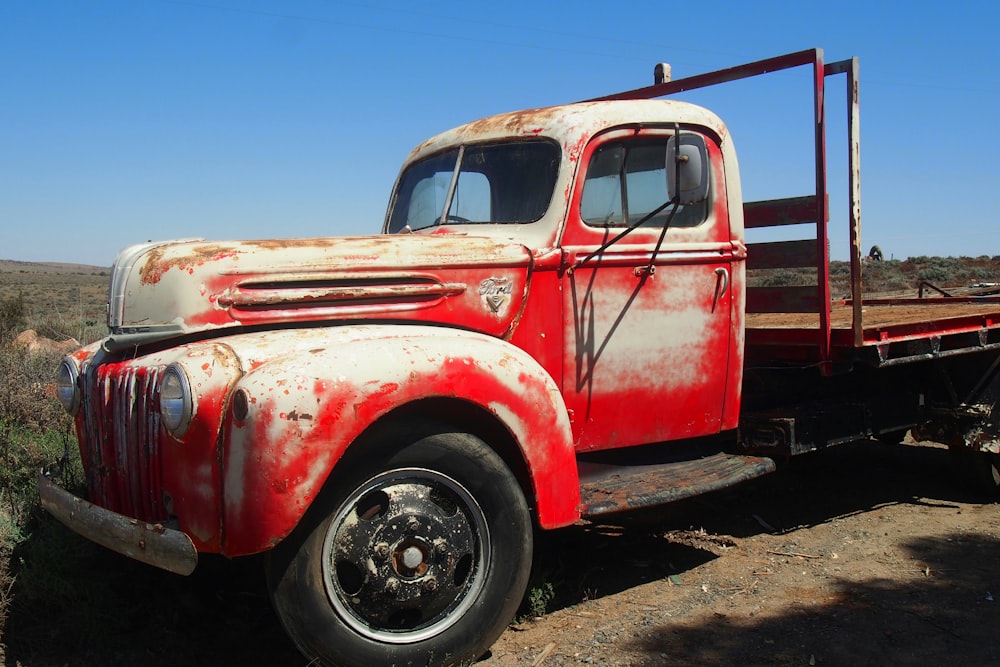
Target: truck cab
(624, 276)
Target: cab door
(648, 320)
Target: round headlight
(176, 400)
(68, 385)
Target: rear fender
(298, 414)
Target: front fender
(299, 412)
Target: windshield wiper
(675, 202)
(451, 186)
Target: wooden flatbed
(890, 331)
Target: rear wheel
(981, 469)
(419, 555)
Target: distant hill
(14, 266)
(955, 275)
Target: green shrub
(539, 598)
(887, 276)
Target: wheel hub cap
(405, 554)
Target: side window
(602, 191)
(627, 181)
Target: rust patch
(615, 488)
(527, 121)
(156, 265)
(272, 244)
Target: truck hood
(178, 288)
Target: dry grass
(34, 433)
(890, 275)
(34, 429)
(58, 305)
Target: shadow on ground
(76, 604)
(628, 550)
(949, 618)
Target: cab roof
(572, 124)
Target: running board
(606, 488)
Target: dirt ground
(865, 554)
(861, 555)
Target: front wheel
(420, 556)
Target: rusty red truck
(555, 324)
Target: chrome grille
(122, 431)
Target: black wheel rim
(405, 555)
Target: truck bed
(890, 331)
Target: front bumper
(153, 544)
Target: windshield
(500, 183)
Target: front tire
(417, 554)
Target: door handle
(644, 271)
(721, 285)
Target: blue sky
(128, 120)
